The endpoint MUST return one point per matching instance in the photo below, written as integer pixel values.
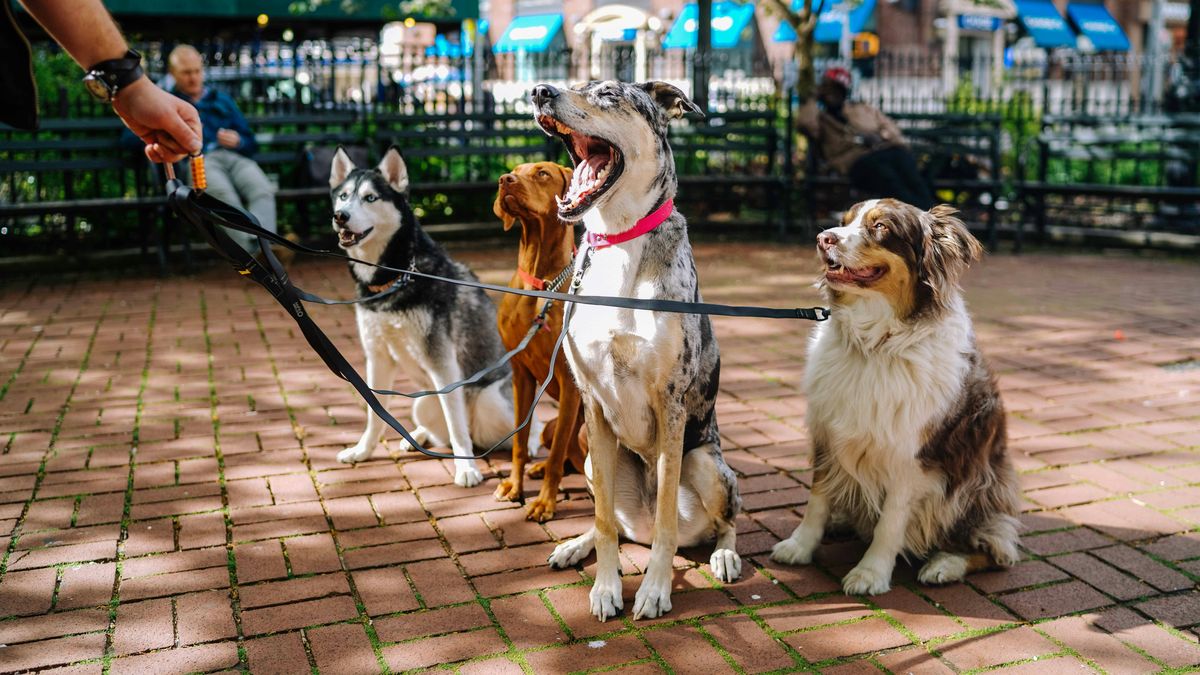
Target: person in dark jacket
(229, 144)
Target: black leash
(207, 213)
(231, 217)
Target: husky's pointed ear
(671, 99)
(394, 170)
(341, 167)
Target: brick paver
(170, 501)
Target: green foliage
(57, 76)
(1020, 122)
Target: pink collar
(657, 217)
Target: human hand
(228, 138)
(169, 125)
(871, 140)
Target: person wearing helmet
(860, 142)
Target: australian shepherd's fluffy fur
(906, 421)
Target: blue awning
(829, 24)
(1043, 22)
(1099, 26)
(532, 33)
(729, 23)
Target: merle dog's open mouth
(348, 237)
(598, 165)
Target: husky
(649, 380)
(437, 332)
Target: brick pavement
(170, 501)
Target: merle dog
(649, 380)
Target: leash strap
(205, 207)
(277, 282)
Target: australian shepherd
(906, 422)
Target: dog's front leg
(654, 595)
(603, 453)
(381, 374)
(542, 507)
(524, 387)
(873, 574)
(454, 407)
(798, 548)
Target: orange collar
(537, 283)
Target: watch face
(97, 87)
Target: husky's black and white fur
(649, 380)
(437, 332)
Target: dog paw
(792, 552)
(358, 453)
(866, 581)
(606, 598)
(536, 469)
(726, 565)
(420, 435)
(653, 599)
(540, 509)
(570, 552)
(508, 491)
(943, 568)
(467, 476)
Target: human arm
(888, 131)
(237, 135)
(807, 119)
(169, 126)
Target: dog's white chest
(616, 353)
(403, 336)
(883, 400)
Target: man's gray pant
(238, 180)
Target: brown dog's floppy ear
(340, 168)
(950, 248)
(671, 99)
(505, 217)
(566, 172)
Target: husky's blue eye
(371, 198)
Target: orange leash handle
(199, 180)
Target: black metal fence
(445, 104)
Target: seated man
(229, 144)
(862, 143)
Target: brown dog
(527, 195)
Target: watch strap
(120, 72)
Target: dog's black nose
(827, 240)
(543, 93)
(341, 217)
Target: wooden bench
(70, 180)
(1113, 176)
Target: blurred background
(1030, 115)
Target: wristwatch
(106, 78)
